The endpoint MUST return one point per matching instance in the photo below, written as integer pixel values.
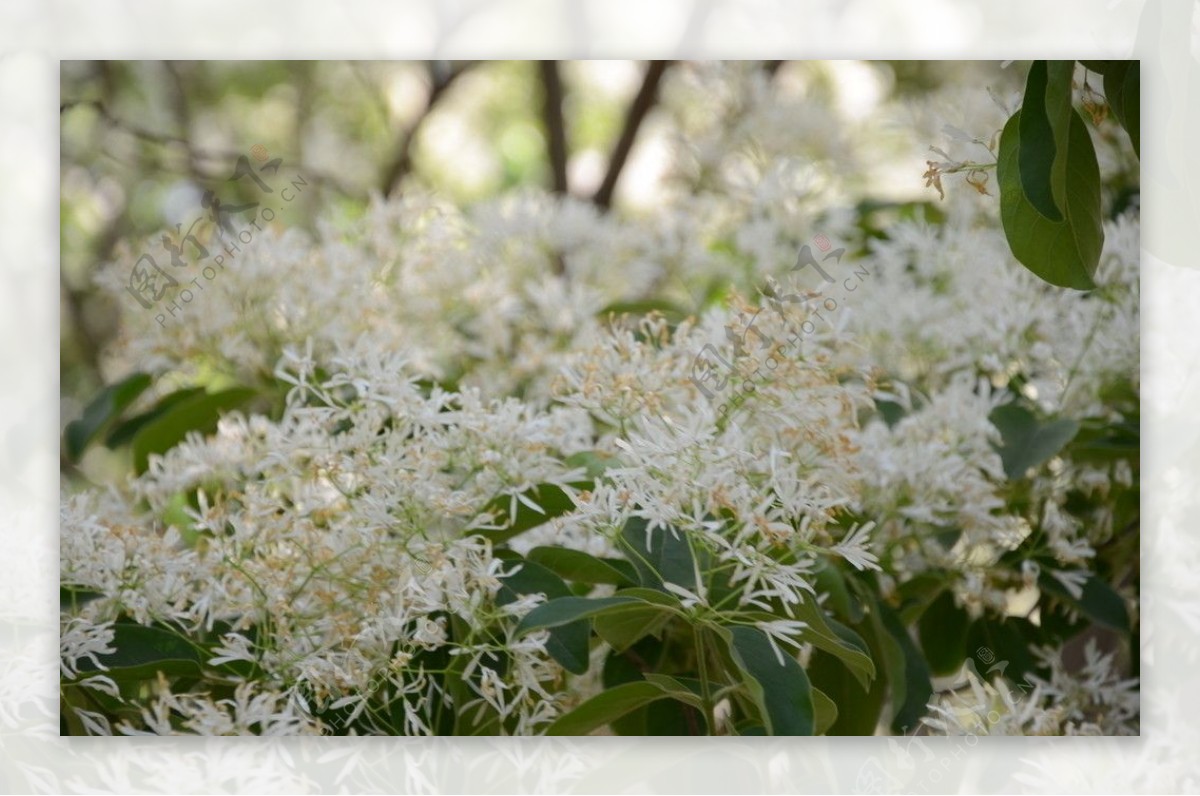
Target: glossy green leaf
(780, 689)
(919, 592)
(624, 627)
(836, 639)
(826, 711)
(668, 309)
(142, 651)
(1001, 646)
(1026, 442)
(829, 580)
(1098, 602)
(1065, 252)
(831, 636)
(605, 707)
(662, 555)
(568, 644)
(581, 567)
(1102, 67)
(552, 499)
(594, 463)
(564, 610)
(908, 672)
(859, 706)
(102, 412)
(688, 690)
(943, 632)
(71, 598)
(1044, 126)
(198, 413)
(1122, 89)
(124, 432)
(1102, 441)
(628, 667)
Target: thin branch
(552, 118)
(443, 76)
(89, 349)
(183, 112)
(133, 129)
(196, 155)
(75, 299)
(646, 97)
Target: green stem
(706, 693)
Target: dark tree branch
(771, 67)
(89, 348)
(552, 118)
(442, 75)
(196, 156)
(646, 97)
(183, 113)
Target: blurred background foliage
(141, 141)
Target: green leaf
(831, 636)
(104, 409)
(1002, 645)
(594, 463)
(826, 711)
(624, 627)
(908, 673)
(197, 413)
(780, 690)
(859, 706)
(175, 514)
(627, 667)
(1027, 444)
(688, 690)
(1098, 602)
(72, 598)
(891, 412)
(1044, 126)
(661, 556)
(141, 651)
(1102, 67)
(580, 567)
(918, 593)
(943, 632)
(668, 309)
(1102, 441)
(553, 500)
(564, 610)
(1066, 252)
(605, 707)
(836, 639)
(1122, 89)
(124, 432)
(829, 580)
(858, 709)
(568, 644)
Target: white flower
(782, 630)
(1071, 580)
(82, 640)
(854, 548)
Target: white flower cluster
(1094, 700)
(441, 363)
